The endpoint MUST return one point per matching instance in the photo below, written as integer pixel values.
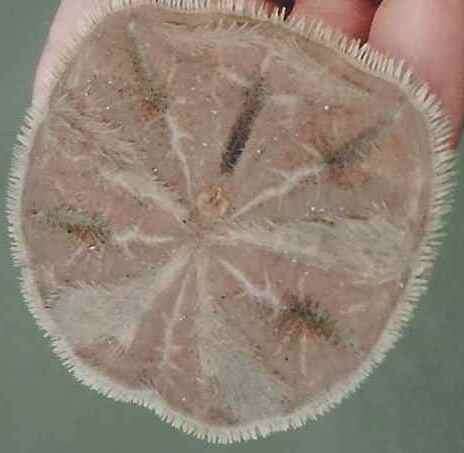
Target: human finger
(65, 25)
(353, 17)
(428, 35)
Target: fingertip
(428, 35)
(64, 25)
(353, 17)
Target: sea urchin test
(225, 217)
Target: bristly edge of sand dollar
(224, 217)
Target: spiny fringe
(364, 57)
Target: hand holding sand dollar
(225, 217)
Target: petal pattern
(223, 216)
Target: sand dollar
(224, 217)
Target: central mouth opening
(212, 203)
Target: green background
(413, 403)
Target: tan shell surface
(223, 219)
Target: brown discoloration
(240, 132)
(88, 230)
(213, 203)
(355, 178)
(305, 317)
(152, 107)
(154, 93)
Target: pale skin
(428, 34)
